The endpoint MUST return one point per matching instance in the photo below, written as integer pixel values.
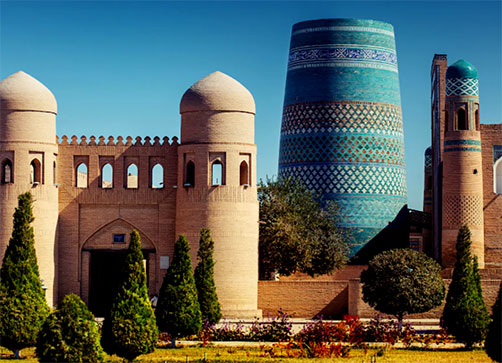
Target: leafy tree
(23, 308)
(402, 281)
(296, 234)
(130, 329)
(465, 315)
(493, 343)
(204, 279)
(70, 334)
(178, 310)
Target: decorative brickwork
(463, 209)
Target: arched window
(132, 177)
(35, 172)
(190, 174)
(54, 174)
(462, 119)
(157, 176)
(107, 176)
(244, 173)
(476, 118)
(6, 171)
(217, 173)
(81, 176)
(497, 175)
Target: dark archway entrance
(105, 274)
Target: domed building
(90, 192)
(464, 168)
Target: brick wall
(306, 299)
(491, 135)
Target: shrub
(276, 330)
(129, 329)
(402, 281)
(493, 343)
(229, 332)
(316, 340)
(379, 330)
(465, 315)
(69, 334)
(178, 311)
(204, 280)
(23, 308)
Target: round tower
(428, 181)
(462, 163)
(28, 159)
(342, 130)
(217, 188)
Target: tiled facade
(342, 130)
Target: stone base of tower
(241, 314)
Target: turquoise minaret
(342, 130)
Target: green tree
(23, 308)
(296, 233)
(130, 329)
(178, 310)
(402, 281)
(204, 279)
(70, 334)
(465, 315)
(493, 342)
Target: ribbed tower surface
(342, 130)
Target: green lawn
(253, 354)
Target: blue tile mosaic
(342, 129)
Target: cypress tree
(493, 343)
(130, 329)
(23, 307)
(70, 334)
(204, 279)
(178, 310)
(465, 315)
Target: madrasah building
(208, 180)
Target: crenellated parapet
(111, 141)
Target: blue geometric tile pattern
(462, 86)
(335, 117)
(428, 158)
(342, 129)
(349, 178)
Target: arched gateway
(102, 258)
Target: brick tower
(217, 188)
(462, 163)
(342, 130)
(28, 152)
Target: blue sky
(121, 67)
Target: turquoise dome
(461, 69)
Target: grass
(259, 355)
